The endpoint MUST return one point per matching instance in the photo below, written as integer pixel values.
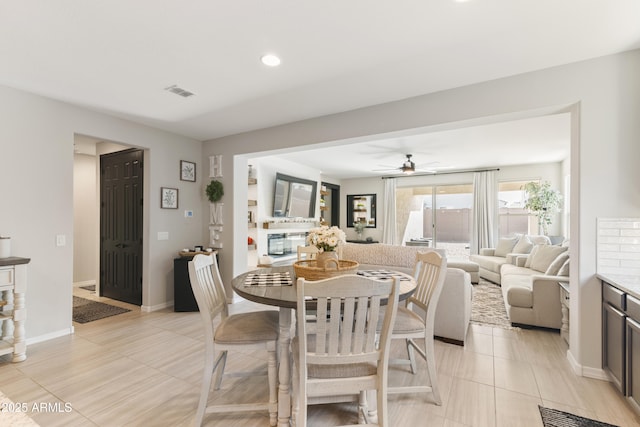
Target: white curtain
(485, 211)
(389, 212)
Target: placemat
(382, 274)
(268, 279)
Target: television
(294, 197)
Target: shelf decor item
(359, 226)
(215, 191)
(5, 247)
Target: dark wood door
(121, 226)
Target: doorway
(121, 225)
(330, 209)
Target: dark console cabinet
(183, 299)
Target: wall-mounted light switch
(61, 240)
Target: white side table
(13, 287)
(564, 301)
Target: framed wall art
(187, 171)
(168, 198)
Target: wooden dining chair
(415, 321)
(245, 332)
(337, 353)
(307, 252)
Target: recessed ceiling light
(270, 60)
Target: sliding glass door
(437, 216)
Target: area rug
(85, 310)
(487, 307)
(555, 418)
(89, 288)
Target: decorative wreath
(215, 191)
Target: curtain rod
(440, 173)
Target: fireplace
(283, 244)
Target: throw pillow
(540, 239)
(523, 246)
(564, 270)
(532, 254)
(505, 246)
(555, 265)
(545, 256)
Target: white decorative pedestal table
(13, 287)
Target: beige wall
(601, 96)
(85, 219)
(37, 167)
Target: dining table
(276, 286)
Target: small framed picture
(187, 171)
(168, 198)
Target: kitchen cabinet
(633, 351)
(621, 340)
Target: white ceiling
(118, 56)
(518, 142)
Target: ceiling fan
(408, 167)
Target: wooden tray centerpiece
(311, 270)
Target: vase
(5, 247)
(322, 259)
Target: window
(513, 217)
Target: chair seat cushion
(407, 321)
(345, 370)
(246, 328)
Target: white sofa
(454, 307)
(490, 260)
(530, 287)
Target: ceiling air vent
(179, 91)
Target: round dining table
(276, 286)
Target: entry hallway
(144, 369)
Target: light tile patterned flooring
(144, 369)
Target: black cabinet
(633, 351)
(613, 359)
(183, 298)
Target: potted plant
(542, 201)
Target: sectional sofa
(454, 307)
(529, 280)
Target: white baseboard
(84, 283)
(50, 336)
(584, 371)
(150, 308)
(595, 373)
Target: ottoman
(469, 266)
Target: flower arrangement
(325, 238)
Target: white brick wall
(618, 250)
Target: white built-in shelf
(281, 225)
